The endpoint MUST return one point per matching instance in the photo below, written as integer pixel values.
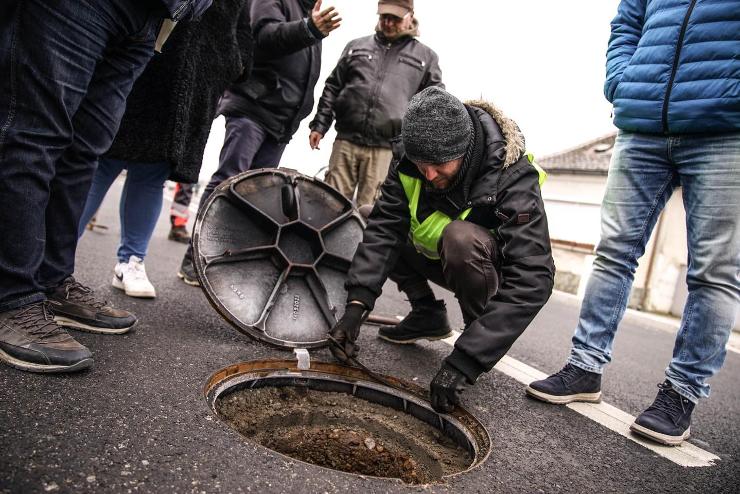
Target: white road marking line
(686, 455)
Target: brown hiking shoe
(31, 340)
(75, 306)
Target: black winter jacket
(504, 194)
(172, 105)
(371, 86)
(287, 62)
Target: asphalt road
(138, 421)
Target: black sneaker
(75, 306)
(187, 272)
(425, 322)
(31, 340)
(569, 384)
(179, 234)
(668, 419)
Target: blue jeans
(141, 202)
(67, 68)
(644, 171)
(246, 147)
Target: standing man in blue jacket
(673, 76)
(66, 69)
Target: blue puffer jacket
(673, 66)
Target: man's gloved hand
(343, 335)
(446, 388)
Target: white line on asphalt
(686, 455)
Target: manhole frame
(237, 374)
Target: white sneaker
(131, 278)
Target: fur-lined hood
(509, 129)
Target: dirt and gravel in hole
(342, 432)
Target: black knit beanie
(436, 127)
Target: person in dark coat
(66, 69)
(673, 76)
(367, 93)
(264, 111)
(461, 207)
(165, 128)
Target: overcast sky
(540, 61)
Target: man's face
(440, 175)
(392, 26)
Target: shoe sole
(179, 240)
(564, 399)
(187, 279)
(69, 323)
(414, 340)
(45, 368)
(116, 283)
(658, 437)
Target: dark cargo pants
(467, 267)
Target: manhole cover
(272, 249)
(338, 417)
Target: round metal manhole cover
(272, 249)
(340, 418)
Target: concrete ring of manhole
(338, 417)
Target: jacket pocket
(414, 62)
(261, 85)
(360, 54)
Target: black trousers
(467, 267)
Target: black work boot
(668, 419)
(179, 234)
(569, 384)
(424, 322)
(31, 340)
(187, 272)
(75, 306)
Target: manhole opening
(355, 427)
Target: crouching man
(461, 207)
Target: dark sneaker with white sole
(187, 272)
(668, 419)
(75, 306)
(424, 322)
(569, 384)
(31, 340)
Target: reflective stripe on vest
(425, 235)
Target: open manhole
(340, 418)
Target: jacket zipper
(679, 45)
(180, 9)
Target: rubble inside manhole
(343, 432)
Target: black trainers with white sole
(668, 419)
(569, 384)
(75, 306)
(187, 272)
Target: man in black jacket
(264, 110)
(461, 207)
(367, 93)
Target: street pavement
(138, 421)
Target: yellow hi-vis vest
(425, 235)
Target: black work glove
(446, 388)
(343, 335)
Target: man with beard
(461, 207)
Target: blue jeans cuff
(20, 302)
(573, 360)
